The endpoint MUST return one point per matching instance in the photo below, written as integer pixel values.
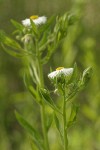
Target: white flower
(36, 19)
(60, 71)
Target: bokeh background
(82, 45)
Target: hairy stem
(64, 124)
(43, 119)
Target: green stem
(43, 114)
(64, 124)
(43, 119)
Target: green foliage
(17, 25)
(66, 81)
(57, 123)
(49, 121)
(11, 46)
(73, 115)
(47, 98)
(8, 41)
(76, 38)
(86, 76)
(34, 134)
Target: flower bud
(86, 76)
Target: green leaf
(43, 42)
(17, 25)
(34, 93)
(64, 22)
(75, 75)
(73, 115)
(47, 98)
(61, 27)
(57, 122)
(47, 25)
(34, 134)
(34, 28)
(8, 41)
(13, 53)
(33, 146)
(31, 89)
(49, 121)
(35, 72)
(51, 49)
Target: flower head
(61, 71)
(36, 19)
(61, 77)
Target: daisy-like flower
(36, 19)
(60, 71)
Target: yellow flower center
(59, 68)
(34, 17)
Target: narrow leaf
(17, 25)
(8, 41)
(34, 134)
(30, 88)
(49, 121)
(46, 96)
(34, 28)
(73, 115)
(34, 93)
(57, 122)
(47, 25)
(75, 75)
(12, 53)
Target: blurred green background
(82, 45)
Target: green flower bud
(86, 76)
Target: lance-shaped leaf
(57, 123)
(47, 25)
(8, 41)
(34, 28)
(34, 134)
(17, 25)
(13, 53)
(47, 98)
(31, 89)
(49, 122)
(73, 115)
(11, 46)
(43, 42)
(34, 94)
(75, 75)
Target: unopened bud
(86, 76)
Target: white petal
(66, 71)
(57, 73)
(53, 74)
(38, 21)
(26, 22)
